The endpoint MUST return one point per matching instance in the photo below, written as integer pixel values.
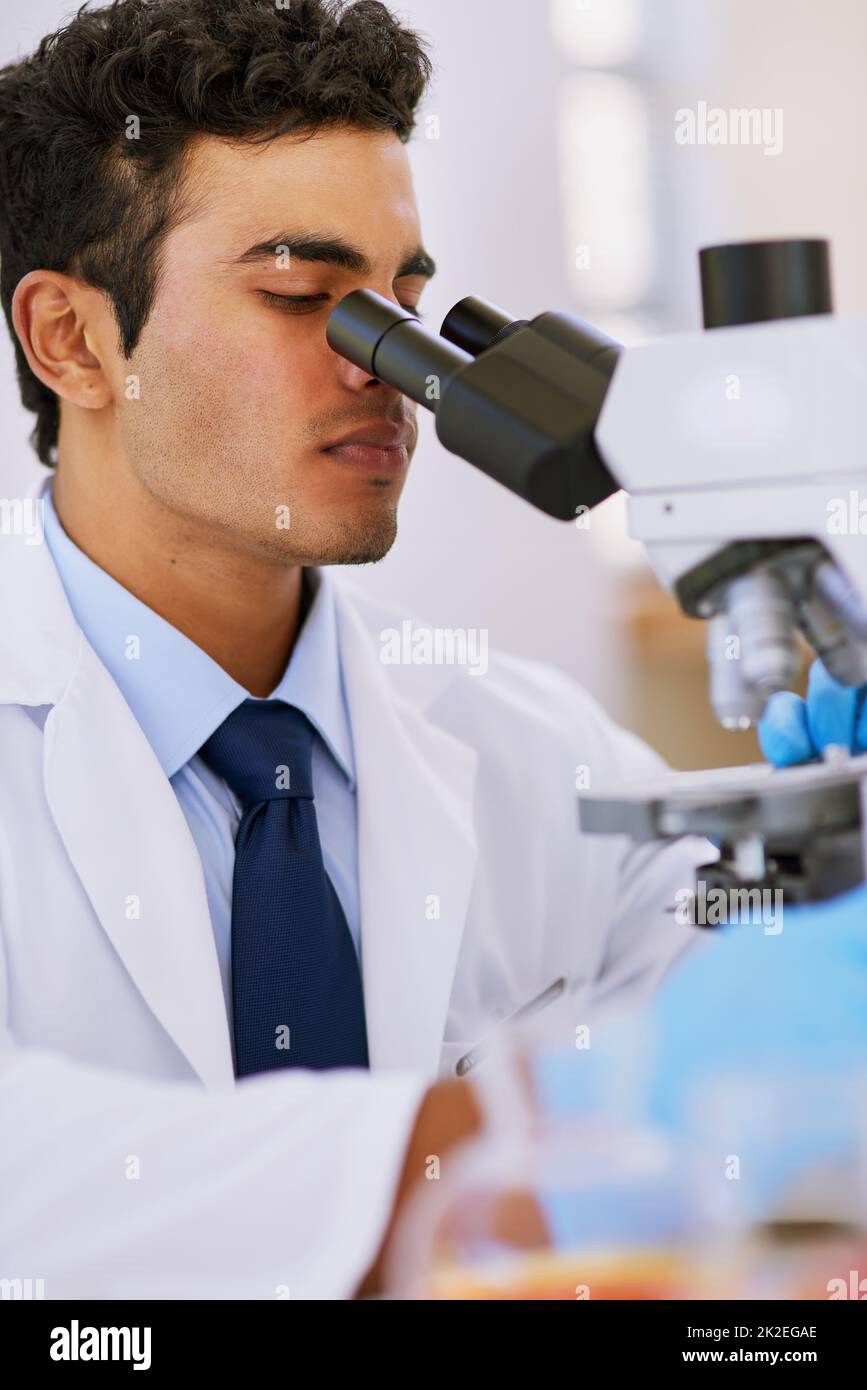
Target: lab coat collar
(133, 852)
(39, 639)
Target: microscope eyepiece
(390, 343)
(475, 324)
(360, 322)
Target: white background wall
(469, 554)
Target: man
(260, 893)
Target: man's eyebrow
(331, 251)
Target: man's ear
(58, 320)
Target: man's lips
(371, 457)
(382, 448)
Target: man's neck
(244, 613)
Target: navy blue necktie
(297, 999)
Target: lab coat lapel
(114, 809)
(416, 852)
(133, 852)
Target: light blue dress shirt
(179, 696)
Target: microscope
(743, 453)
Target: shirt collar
(178, 694)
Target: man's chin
(361, 556)
(349, 544)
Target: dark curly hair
(78, 195)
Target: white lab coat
(131, 1163)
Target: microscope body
(743, 453)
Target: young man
(233, 843)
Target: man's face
(241, 400)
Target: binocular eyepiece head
(518, 399)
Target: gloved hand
(793, 730)
(742, 1005)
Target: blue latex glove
(793, 730)
(743, 1004)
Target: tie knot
(264, 750)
